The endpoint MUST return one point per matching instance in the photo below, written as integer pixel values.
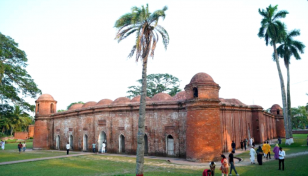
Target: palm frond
(294, 33)
(280, 14)
(295, 53)
(132, 52)
(155, 40)
(299, 45)
(124, 20)
(157, 14)
(164, 35)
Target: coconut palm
(272, 30)
(288, 48)
(145, 25)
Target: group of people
(68, 147)
(245, 143)
(264, 151)
(22, 147)
(2, 144)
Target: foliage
(14, 79)
(299, 117)
(79, 102)
(14, 119)
(157, 83)
(61, 110)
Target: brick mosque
(194, 124)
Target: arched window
(146, 148)
(58, 142)
(121, 144)
(278, 111)
(51, 108)
(71, 142)
(85, 142)
(170, 145)
(38, 107)
(101, 138)
(195, 90)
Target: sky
(72, 54)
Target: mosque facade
(194, 124)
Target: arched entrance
(121, 144)
(71, 142)
(85, 142)
(146, 149)
(101, 138)
(58, 142)
(170, 145)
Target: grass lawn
(11, 153)
(110, 165)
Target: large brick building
(195, 123)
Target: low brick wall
(21, 135)
(300, 131)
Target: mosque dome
(202, 78)
(104, 102)
(46, 97)
(121, 100)
(161, 97)
(76, 106)
(89, 104)
(180, 96)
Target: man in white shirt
(68, 148)
(282, 154)
(252, 155)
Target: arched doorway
(101, 138)
(146, 149)
(71, 142)
(85, 142)
(170, 145)
(58, 142)
(121, 144)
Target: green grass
(11, 153)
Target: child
(212, 167)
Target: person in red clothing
(19, 147)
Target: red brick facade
(195, 123)
(21, 135)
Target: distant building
(195, 124)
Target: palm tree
(272, 30)
(288, 48)
(145, 25)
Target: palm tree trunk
(140, 134)
(283, 95)
(289, 103)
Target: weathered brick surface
(202, 127)
(21, 135)
(31, 131)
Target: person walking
(67, 148)
(224, 165)
(276, 151)
(242, 145)
(259, 155)
(24, 147)
(252, 155)
(268, 149)
(231, 161)
(279, 139)
(264, 149)
(103, 147)
(212, 167)
(233, 146)
(282, 154)
(3, 144)
(93, 147)
(245, 144)
(19, 147)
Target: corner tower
(45, 106)
(278, 112)
(203, 134)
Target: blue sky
(73, 55)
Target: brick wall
(21, 135)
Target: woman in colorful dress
(276, 151)
(224, 165)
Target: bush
(31, 138)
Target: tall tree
(145, 25)
(14, 79)
(288, 48)
(157, 83)
(272, 30)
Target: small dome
(180, 96)
(201, 78)
(276, 107)
(46, 97)
(89, 104)
(161, 97)
(121, 100)
(76, 106)
(234, 101)
(137, 99)
(104, 102)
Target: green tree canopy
(15, 82)
(156, 83)
(79, 102)
(299, 117)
